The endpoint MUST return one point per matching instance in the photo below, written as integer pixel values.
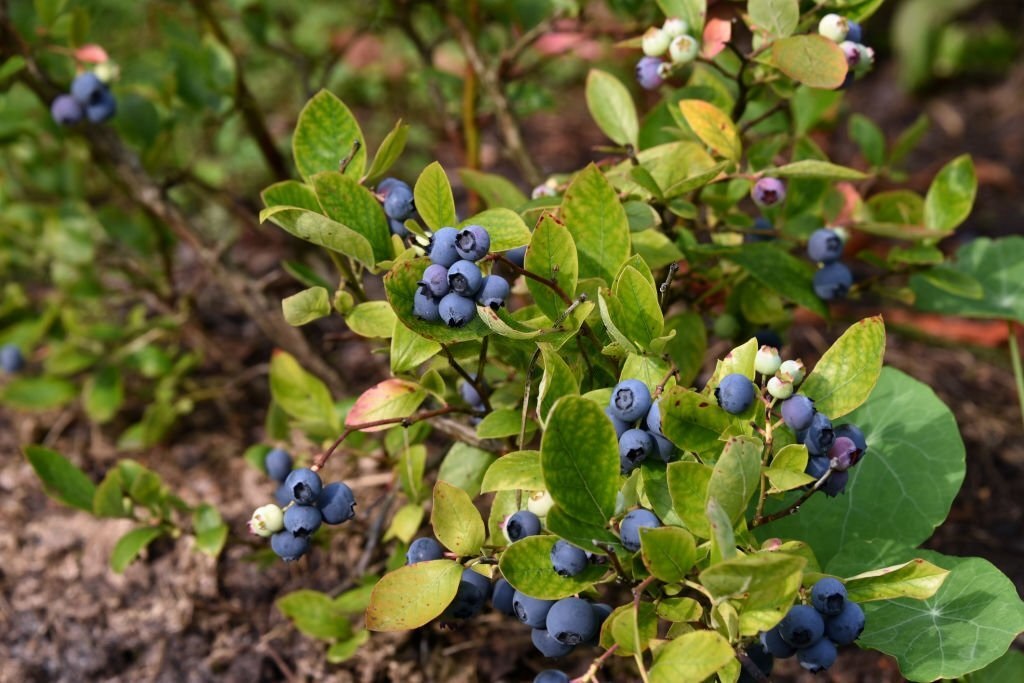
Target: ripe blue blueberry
(768, 192)
(501, 597)
(278, 464)
(666, 450)
(465, 278)
(843, 453)
(288, 546)
(634, 447)
(836, 484)
(470, 597)
(735, 393)
(479, 581)
(304, 485)
(571, 621)
(398, 228)
(768, 337)
(763, 231)
(601, 613)
(820, 435)
(761, 658)
(473, 242)
(853, 432)
(87, 88)
(11, 360)
(797, 412)
(442, 247)
(103, 109)
(66, 111)
(855, 33)
(302, 520)
(629, 528)
(825, 246)
(817, 657)
(802, 626)
(828, 596)
(423, 550)
(551, 676)
(774, 644)
(567, 559)
(337, 503)
(817, 466)
(522, 524)
(470, 395)
(531, 611)
(631, 399)
(494, 292)
(846, 627)
(620, 425)
(648, 73)
(283, 495)
(833, 282)
(398, 204)
(517, 256)
(434, 281)
(456, 310)
(425, 307)
(547, 645)
(653, 419)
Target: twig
(526, 398)
(751, 668)
(790, 509)
(591, 673)
(638, 656)
(550, 284)
(475, 382)
(1018, 373)
(673, 372)
(663, 289)
(373, 534)
(764, 116)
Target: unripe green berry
(675, 27)
(867, 58)
(767, 360)
(792, 370)
(655, 42)
(683, 49)
(834, 27)
(726, 326)
(107, 72)
(266, 520)
(779, 388)
(540, 503)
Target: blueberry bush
(597, 487)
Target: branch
(477, 382)
(751, 668)
(591, 673)
(791, 509)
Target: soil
(181, 616)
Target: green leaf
(688, 486)
(306, 306)
(391, 148)
(37, 393)
(1009, 667)
(905, 483)
(315, 614)
(766, 580)
(813, 60)
(210, 530)
(714, 128)
(777, 18)
(598, 224)
(347, 202)
(409, 350)
(505, 227)
(626, 623)
(736, 476)
(456, 521)
(11, 66)
(392, 398)
(691, 658)
(668, 552)
(580, 460)
(405, 524)
(996, 268)
(502, 423)
(411, 464)
(632, 309)
(918, 579)
(433, 197)
(372, 319)
(951, 195)
(556, 382)
(846, 374)
(688, 346)
(495, 190)
(692, 12)
(344, 650)
(519, 470)
(780, 272)
(61, 479)
(300, 394)
(400, 285)
(108, 500)
(612, 107)
(815, 169)
(692, 421)
(325, 135)
(577, 531)
(464, 466)
(321, 231)
(723, 540)
(552, 255)
(787, 469)
(131, 544)
(103, 394)
(410, 597)
(526, 564)
(869, 137)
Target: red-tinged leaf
(717, 33)
(392, 398)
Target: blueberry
(470, 395)
(763, 231)
(629, 528)
(631, 399)
(817, 657)
(735, 393)
(601, 614)
(398, 228)
(653, 419)
(522, 524)
(620, 425)
(434, 281)
(425, 307)
(283, 495)
(442, 247)
(470, 597)
(517, 256)
(571, 621)
(843, 453)
(481, 582)
(473, 242)
(87, 88)
(853, 54)
(825, 246)
(797, 412)
(833, 282)
(501, 597)
(66, 111)
(820, 435)
(398, 204)
(648, 73)
(666, 450)
(531, 611)
(683, 49)
(567, 559)
(775, 645)
(634, 447)
(288, 546)
(304, 485)
(337, 503)
(302, 520)
(846, 627)
(11, 360)
(768, 192)
(494, 292)
(817, 466)
(855, 32)
(768, 337)
(836, 484)
(423, 550)
(465, 278)
(548, 646)
(456, 310)
(853, 432)
(802, 626)
(828, 596)
(387, 184)
(761, 658)
(551, 676)
(102, 110)
(278, 464)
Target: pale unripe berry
(675, 27)
(834, 27)
(655, 42)
(266, 520)
(540, 503)
(767, 361)
(867, 58)
(683, 49)
(779, 388)
(792, 370)
(853, 54)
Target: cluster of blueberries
(303, 504)
(397, 199)
(833, 280)
(830, 448)
(11, 359)
(674, 38)
(630, 404)
(850, 36)
(813, 632)
(90, 98)
(453, 284)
